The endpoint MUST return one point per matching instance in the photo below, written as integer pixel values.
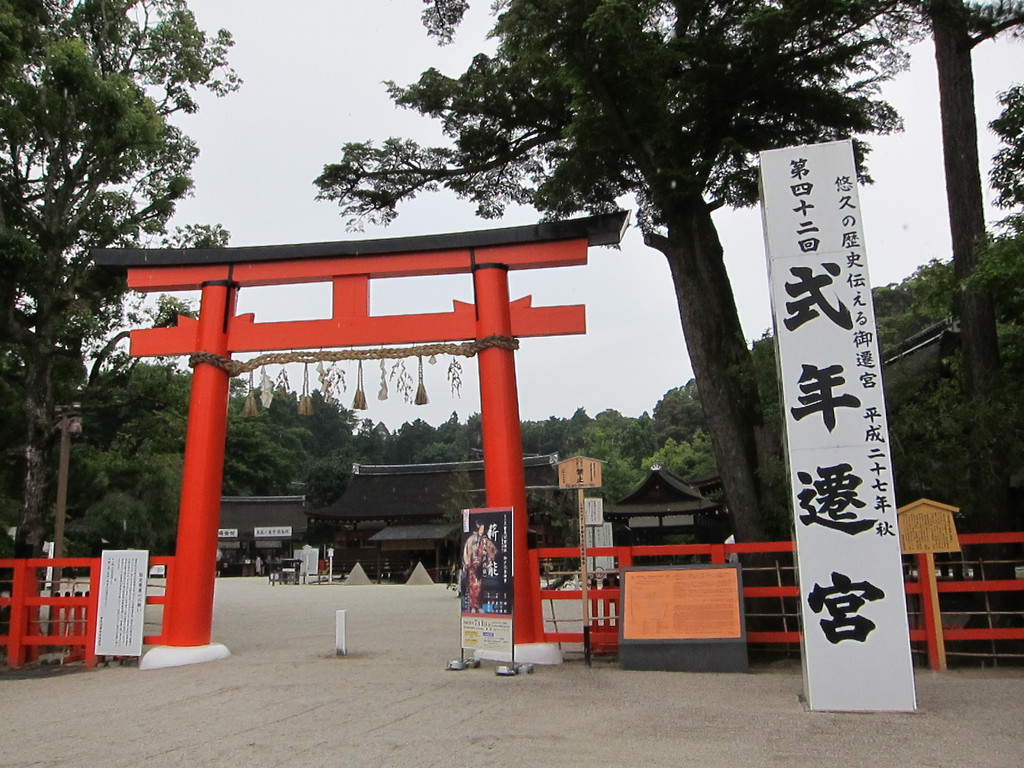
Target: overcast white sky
(313, 72)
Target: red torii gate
(219, 272)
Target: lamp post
(70, 424)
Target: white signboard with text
(599, 536)
(121, 608)
(856, 643)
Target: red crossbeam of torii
(350, 266)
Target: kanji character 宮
(842, 600)
(868, 380)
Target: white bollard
(340, 646)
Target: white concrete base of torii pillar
(526, 653)
(163, 656)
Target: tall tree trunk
(38, 408)
(721, 361)
(964, 194)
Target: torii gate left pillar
(349, 266)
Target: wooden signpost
(927, 527)
(580, 472)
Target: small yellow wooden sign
(579, 472)
(927, 526)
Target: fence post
(625, 559)
(92, 610)
(19, 619)
(538, 608)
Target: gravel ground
(285, 699)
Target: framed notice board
(684, 618)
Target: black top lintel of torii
(602, 229)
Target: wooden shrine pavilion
(664, 505)
(393, 515)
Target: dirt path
(285, 699)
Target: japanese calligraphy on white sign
(121, 602)
(856, 641)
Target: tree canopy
(88, 158)
(587, 101)
(584, 102)
(1007, 175)
(957, 27)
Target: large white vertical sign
(856, 642)
(121, 602)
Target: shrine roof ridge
(445, 467)
(602, 229)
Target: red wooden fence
(34, 615)
(604, 602)
(38, 613)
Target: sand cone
(419, 576)
(357, 577)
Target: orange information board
(682, 604)
(927, 526)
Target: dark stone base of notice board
(716, 656)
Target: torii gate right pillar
(504, 476)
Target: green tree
(941, 437)
(586, 101)
(126, 468)
(88, 158)
(621, 443)
(409, 441)
(690, 459)
(911, 306)
(265, 455)
(545, 437)
(371, 442)
(331, 451)
(958, 27)
(679, 413)
(125, 477)
(453, 441)
(1007, 174)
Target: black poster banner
(486, 578)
